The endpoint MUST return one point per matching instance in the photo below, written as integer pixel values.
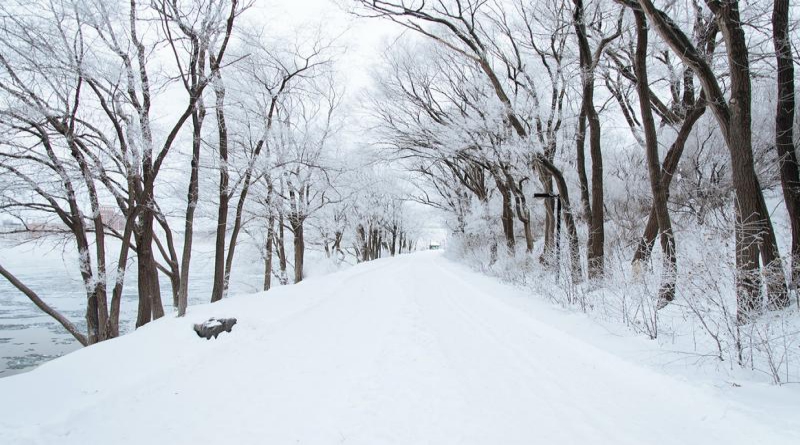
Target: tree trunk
(507, 215)
(583, 179)
(549, 220)
(337, 244)
(122, 263)
(150, 307)
(283, 277)
(596, 241)
(85, 264)
(220, 280)
(569, 219)
(63, 321)
(508, 221)
(523, 215)
(362, 241)
(754, 221)
(100, 291)
(299, 247)
(192, 198)
(526, 227)
(784, 130)
(401, 242)
(670, 165)
(170, 255)
(376, 244)
(754, 232)
(670, 265)
(596, 250)
(237, 220)
(268, 252)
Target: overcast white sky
(365, 39)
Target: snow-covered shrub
(768, 344)
(699, 326)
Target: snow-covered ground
(407, 350)
(29, 337)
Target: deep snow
(407, 350)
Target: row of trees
(180, 113)
(495, 100)
(134, 105)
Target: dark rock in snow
(213, 327)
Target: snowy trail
(409, 350)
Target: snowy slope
(409, 350)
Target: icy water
(29, 337)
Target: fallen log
(213, 327)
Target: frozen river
(29, 337)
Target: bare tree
(54, 138)
(524, 39)
(276, 74)
(205, 31)
(463, 35)
(307, 133)
(595, 209)
(784, 128)
(670, 265)
(686, 109)
(754, 233)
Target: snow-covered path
(409, 350)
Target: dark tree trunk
(670, 165)
(362, 242)
(547, 182)
(220, 280)
(299, 247)
(170, 255)
(569, 219)
(754, 221)
(150, 306)
(401, 242)
(337, 244)
(377, 239)
(549, 220)
(693, 110)
(283, 277)
(784, 127)
(237, 220)
(508, 221)
(670, 265)
(507, 215)
(754, 232)
(122, 263)
(596, 241)
(523, 213)
(583, 179)
(268, 252)
(196, 83)
(526, 227)
(192, 199)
